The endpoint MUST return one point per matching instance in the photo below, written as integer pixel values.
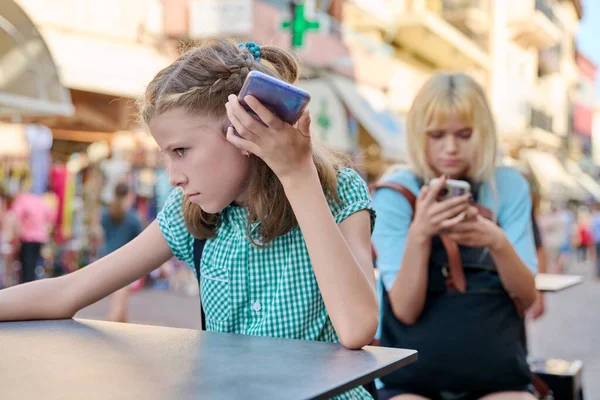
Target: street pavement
(568, 330)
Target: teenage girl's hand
(478, 232)
(433, 217)
(286, 149)
(538, 308)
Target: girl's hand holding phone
(478, 232)
(434, 217)
(286, 149)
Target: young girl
(469, 333)
(288, 251)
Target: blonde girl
(468, 331)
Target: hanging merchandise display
(39, 138)
(15, 177)
(58, 183)
(15, 173)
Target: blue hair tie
(253, 48)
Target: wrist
(298, 176)
(499, 241)
(418, 236)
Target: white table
(556, 282)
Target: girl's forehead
(179, 124)
(451, 121)
(181, 118)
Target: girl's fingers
(452, 222)
(241, 143)
(266, 116)
(242, 128)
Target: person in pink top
(34, 220)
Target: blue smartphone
(286, 101)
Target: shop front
(381, 133)
(29, 82)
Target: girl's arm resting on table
(341, 259)
(63, 297)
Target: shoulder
(513, 195)
(174, 202)
(511, 185)
(509, 177)
(349, 182)
(404, 177)
(353, 195)
(171, 216)
(351, 186)
(173, 227)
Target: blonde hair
(443, 96)
(199, 82)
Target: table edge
(361, 380)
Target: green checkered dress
(265, 292)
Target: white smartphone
(452, 188)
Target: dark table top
(71, 359)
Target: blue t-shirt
(511, 202)
(118, 234)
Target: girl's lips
(451, 163)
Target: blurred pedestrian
(569, 238)
(9, 243)
(121, 224)
(35, 220)
(443, 300)
(557, 241)
(584, 241)
(595, 231)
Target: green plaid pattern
(268, 291)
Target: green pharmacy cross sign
(299, 25)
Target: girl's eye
(179, 151)
(465, 134)
(436, 134)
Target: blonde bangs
(443, 108)
(447, 96)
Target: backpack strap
(408, 195)
(198, 249)
(485, 212)
(456, 278)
